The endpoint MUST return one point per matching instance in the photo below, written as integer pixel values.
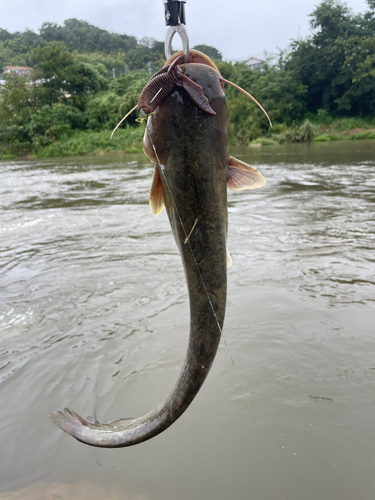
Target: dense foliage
(86, 79)
(118, 53)
(337, 62)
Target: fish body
(192, 171)
(192, 165)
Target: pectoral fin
(242, 176)
(156, 194)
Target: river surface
(94, 316)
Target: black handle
(174, 12)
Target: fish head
(178, 117)
(195, 56)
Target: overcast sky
(238, 28)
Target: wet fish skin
(192, 148)
(193, 167)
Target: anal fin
(242, 176)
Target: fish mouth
(195, 56)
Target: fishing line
(187, 238)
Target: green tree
(149, 54)
(50, 123)
(359, 72)
(5, 35)
(209, 51)
(16, 95)
(105, 109)
(317, 61)
(275, 88)
(10, 57)
(84, 37)
(54, 67)
(62, 76)
(17, 102)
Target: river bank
(78, 142)
(331, 129)
(129, 140)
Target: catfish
(186, 138)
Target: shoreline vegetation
(81, 80)
(341, 129)
(129, 140)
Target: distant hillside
(118, 52)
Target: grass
(323, 138)
(127, 140)
(311, 130)
(263, 141)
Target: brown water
(94, 316)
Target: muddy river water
(94, 316)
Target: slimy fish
(186, 139)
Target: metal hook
(171, 31)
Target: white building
(17, 70)
(254, 63)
